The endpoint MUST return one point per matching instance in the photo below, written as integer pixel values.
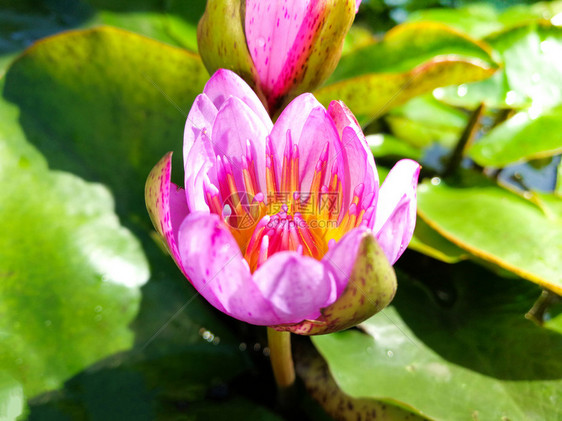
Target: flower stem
(283, 368)
(537, 313)
(281, 358)
(466, 138)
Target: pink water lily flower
(283, 224)
(281, 47)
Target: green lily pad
(550, 204)
(69, 274)
(423, 121)
(320, 384)
(411, 60)
(153, 24)
(524, 136)
(542, 10)
(24, 21)
(555, 323)
(531, 75)
(11, 398)
(407, 46)
(477, 20)
(385, 145)
(139, 388)
(481, 19)
(497, 226)
(233, 409)
(429, 242)
(182, 19)
(357, 37)
(106, 104)
(558, 187)
(109, 118)
(172, 22)
(223, 41)
(472, 357)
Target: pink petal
(166, 205)
(198, 155)
(279, 36)
(359, 163)
(297, 286)
(343, 117)
(201, 117)
(395, 217)
(318, 131)
(292, 119)
(357, 4)
(241, 116)
(359, 168)
(341, 257)
(199, 166)
(234, 126)
(225, 84)
(311, 129)
(397, 232)
(215, 266)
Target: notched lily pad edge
(102, 28)
(490, 257)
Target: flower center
(281, 232)
(284, 218)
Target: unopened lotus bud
(280, 47)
